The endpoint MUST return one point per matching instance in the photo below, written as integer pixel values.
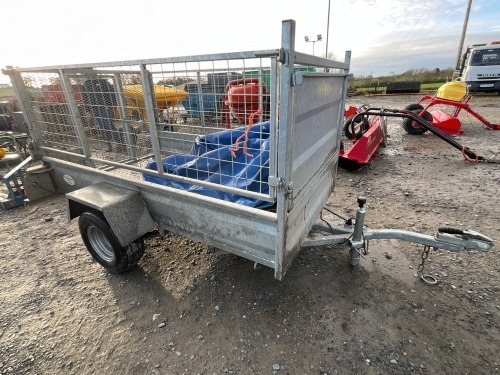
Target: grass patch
(5, 92)
(424, 87)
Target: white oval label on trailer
(69, 180)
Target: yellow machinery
(165, 97)
(452, 91)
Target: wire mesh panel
(84, 112)
(47, 104)
(209, 120)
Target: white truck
(479, 67)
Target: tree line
(422, 75)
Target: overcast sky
(384, 35)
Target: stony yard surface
(183, 310)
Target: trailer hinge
(276, 182)
(289, 191)
(284, 57)
(279, 184)
(297, 78)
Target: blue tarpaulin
(211, 160)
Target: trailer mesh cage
(237, 150)
(120, 118)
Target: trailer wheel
(411, 127)
(103, 245)
(361, 125)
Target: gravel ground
(183, 310)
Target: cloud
(435, 52)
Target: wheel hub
(101, 244)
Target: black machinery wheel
(413, 106)
(360, 125)
(103, 245)
(383, 126)
(410, 126)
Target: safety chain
(430, 280)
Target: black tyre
(103, 245)
(349, 165)
(411, 127)
(361, 125)
(413, 106)
(383, 126)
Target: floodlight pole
(327, 30)
(318, 39)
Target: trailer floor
(186, 311)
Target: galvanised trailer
(256, 190)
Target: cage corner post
(284, 139)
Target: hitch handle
(450, 230)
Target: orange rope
(236, 147)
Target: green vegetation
(6, 92)
(431, 86)
(430, 79)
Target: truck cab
(479, 68)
